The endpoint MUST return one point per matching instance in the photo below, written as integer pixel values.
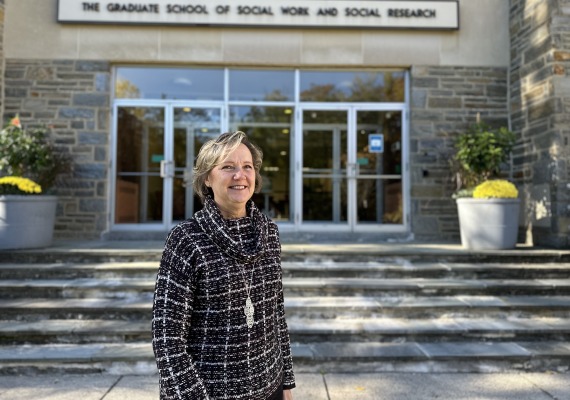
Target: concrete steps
(142, 288)
(306, 307)
(304, 330)
(349, 308)
(137, 358)
(391, 254)
(325, 268)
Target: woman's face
(233, 182)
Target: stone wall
(444, 102)
(1, 56)
(72, 99)
(540, 114)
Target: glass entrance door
(324, 171)
(341, 164)
(155, 152)
(140, 143)
(378, 168)
(351, 168)
(192, 127)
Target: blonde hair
(215, 151)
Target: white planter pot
(26, 221)
(488, 224)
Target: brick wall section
(445, 101)
(71, 97)
(540, 114)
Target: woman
(219, 329)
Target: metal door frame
(167, 185)
(352, 174)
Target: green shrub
(480, 152)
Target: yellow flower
(496, 189)
(15, 185)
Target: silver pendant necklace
(248, 310)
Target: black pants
(278, 394)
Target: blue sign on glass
(376, 143)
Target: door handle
(351, 170)
(167, 169)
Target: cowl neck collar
(212, 223)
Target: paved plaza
(379, 386)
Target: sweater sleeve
(172, 311)
(288, 376)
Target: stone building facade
(1, 51)
(539, 111)
(71, 98)
(444, 102)
(508, 63)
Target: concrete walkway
(380, 386)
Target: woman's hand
(287, 395)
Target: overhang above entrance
(441, 14)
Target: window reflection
(259, 85)
(379, 201)
(193, 126)
(140, 149)
(326, 86)
(169, 83)
(270, 128)
(379, 197)
(325, 141)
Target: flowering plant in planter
(480, 152)
(18, 185)
(488, 209)
(29, 154)
(496, 189)
(29, 166)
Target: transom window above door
(259, 85)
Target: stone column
(540, 115)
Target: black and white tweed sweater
(202, 345)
